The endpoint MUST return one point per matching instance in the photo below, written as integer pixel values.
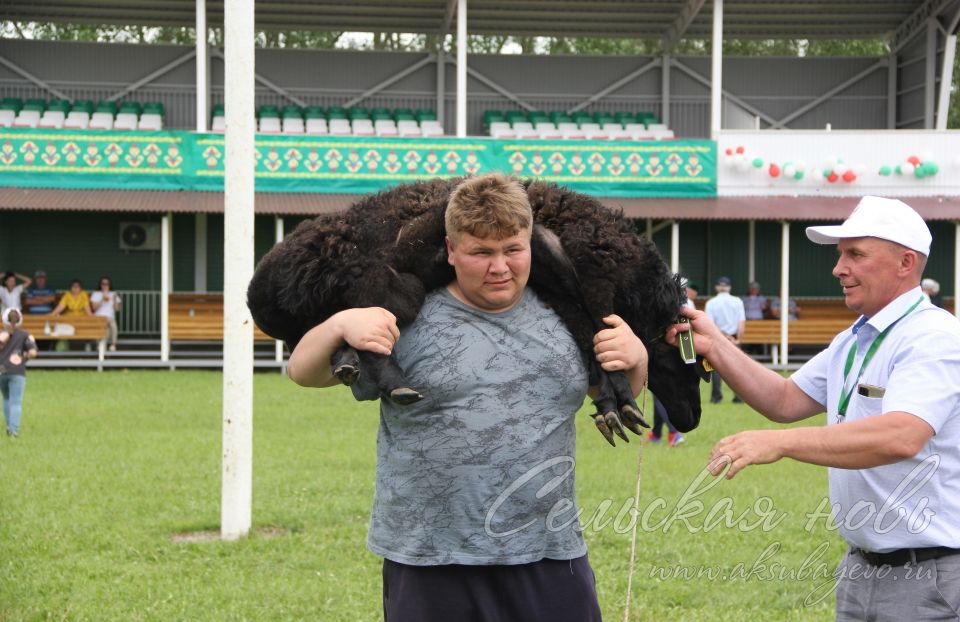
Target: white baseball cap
(877, 217)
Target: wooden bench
(199, 317)
(83, 327)
(813, 332)
(79, 327)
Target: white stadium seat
(7, 117)
(77, 120)
(270, 125)
(292, 125)
(408, 128)
(52, 119)
(362, 127)
(340, 127)
(101, 121)
(502, 129)
(385, 127)
(125, 121)
(431, 128)
(317, 127)
(150, 121)
(27, 118)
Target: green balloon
(898, 170)
(919, 172)
(757, 162)
(798, 175)
(885, 171)
(827, 172)
(932, 168)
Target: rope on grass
(636, 513)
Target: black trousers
(549, 590)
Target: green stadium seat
(11, 103)
(358, 112)
(314, 112)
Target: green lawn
(110, 466)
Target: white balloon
(840, 169)
(907, 169)
(789, 170)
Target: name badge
(868, 390)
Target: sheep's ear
(701, 367)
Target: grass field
(110, 466)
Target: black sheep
(388, 250)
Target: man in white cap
(890, 386)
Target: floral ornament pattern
(50, 154)
(537, 165)
(313, 162)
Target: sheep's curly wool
(388, 250)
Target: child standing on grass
(16, 346)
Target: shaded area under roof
(644, 19)
(300, 204)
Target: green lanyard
(852, 354)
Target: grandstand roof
(766, 19)
(303, 204)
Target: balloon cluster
(738, 159)
(913, 165)
(836, 170)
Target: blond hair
(490, 206)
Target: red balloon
(740, 149)
(849, 176)
(914, 160)
(774, 170)
(833, 177)
(729, 151)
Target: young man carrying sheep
(456, 514)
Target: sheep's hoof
(348, 374)
(633, 419)
(404, 396)
(609, 424)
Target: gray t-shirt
(458, 473)
(13, 354)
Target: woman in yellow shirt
(75, 302)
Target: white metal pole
(202, 76)
(675, 246)
(930, 74)
(200, 252)
(956, 269)
(946, 81)
(665, 90)
(461, 68)
(784, 292)
(278, 237)
(166, 245)
(716, 72)
(752, 250)
(237, 483)
(441, 86)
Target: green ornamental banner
(174, 160)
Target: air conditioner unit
(140, 236)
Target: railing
(139, 313)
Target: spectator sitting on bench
(107, 303)
(10, 292)
(793, 311)
(75, 302)
(40, 298)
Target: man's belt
(900, 557)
